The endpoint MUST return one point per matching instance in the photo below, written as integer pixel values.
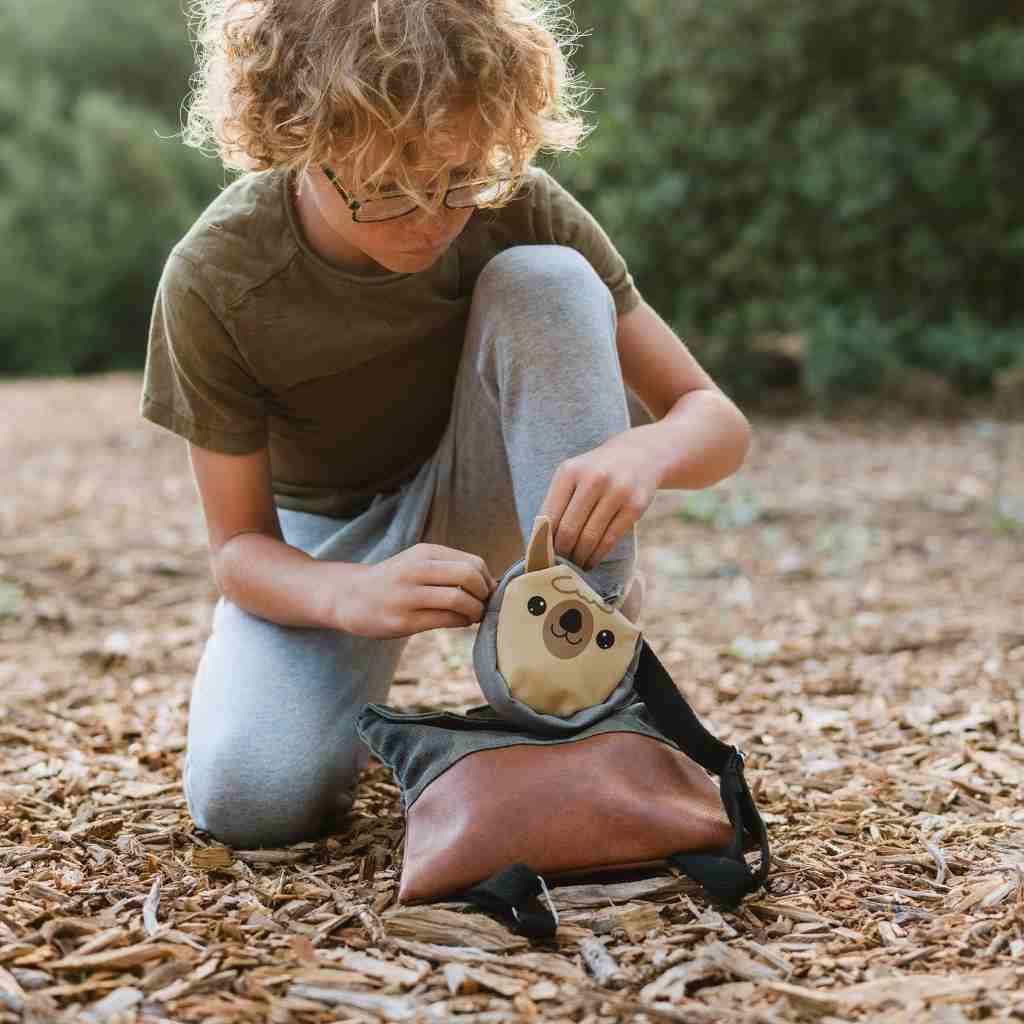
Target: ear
(631, 601)
(540, 552)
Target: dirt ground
(849, 609)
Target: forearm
(702, 439)
(275, 581)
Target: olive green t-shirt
(257, 341)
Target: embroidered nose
(571, 621)
(568, 628)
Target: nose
(431, 234)
(571, 621)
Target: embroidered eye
(537, 606)
(605, 639)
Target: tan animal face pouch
(551, 654)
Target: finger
(450, 599)
(623, 522)
(440, 553)
(477, 563)
(559, 495)
(593, 533)
(582, 503)
(484, 571)
(421, 621)
(480, 566)
(456, 574)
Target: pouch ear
(540, 552)
(631, 601)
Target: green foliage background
(93, 191)
(849, 171)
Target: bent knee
(540, 267)
(248, 808)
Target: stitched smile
(565, 636)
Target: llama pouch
(551, 654)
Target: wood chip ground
(849, 609)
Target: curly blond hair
(299, 83)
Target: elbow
(224, 567)
(219, 573)
(735, 437)
(231, 563)
(744, 438)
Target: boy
(389, 347)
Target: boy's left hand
(596, 498)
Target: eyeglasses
(458, 197)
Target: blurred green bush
(847, 172)
(93, 191)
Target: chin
(406, 261)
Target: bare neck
(323, 239)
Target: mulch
(848, 609)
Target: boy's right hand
(427, 586)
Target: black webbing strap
(724, 873)
(514, 895)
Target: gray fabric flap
(420, 747)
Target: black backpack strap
(724, 873)
(514, 895)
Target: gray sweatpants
(273, 756)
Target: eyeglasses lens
(384, 209)
(461, 197)
(477, 194)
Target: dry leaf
(435, 925)
(127, 956)
(210, 858)
(149, 908)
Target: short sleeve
(196, 383)
(561, 217)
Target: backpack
(586, 759)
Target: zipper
(487, 723)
